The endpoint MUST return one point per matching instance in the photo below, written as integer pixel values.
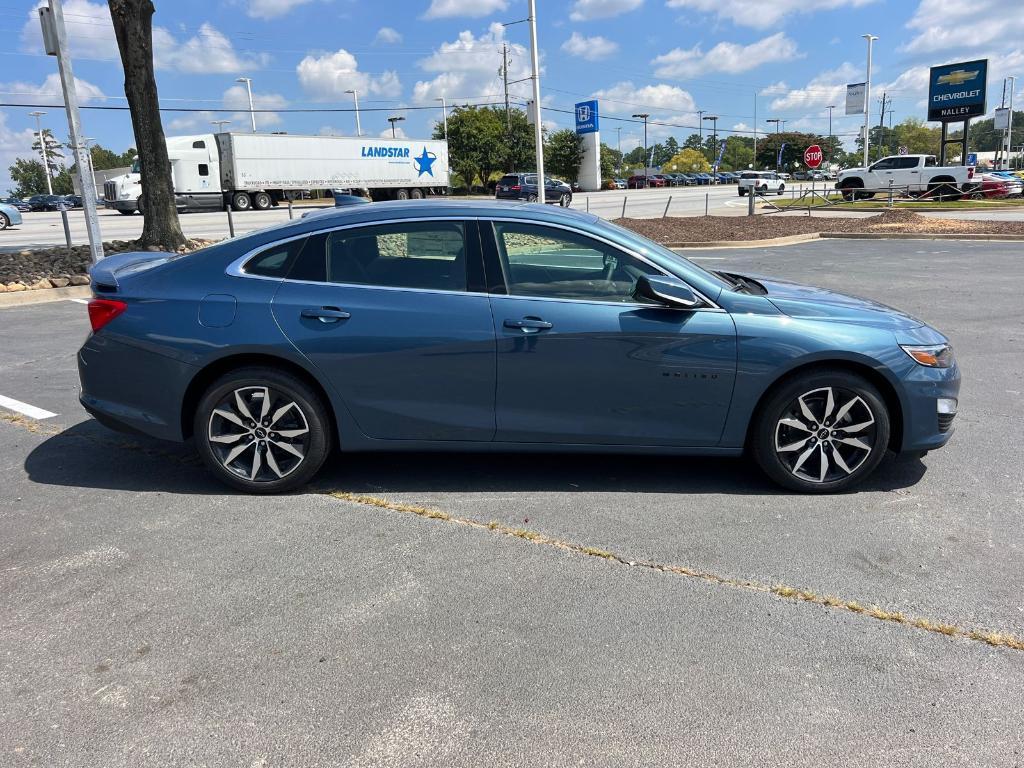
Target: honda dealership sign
(956, 92)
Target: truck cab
(195, 168)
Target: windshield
(135, 166)
(645, 246)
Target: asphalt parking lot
(523, 610)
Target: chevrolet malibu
(466, 326)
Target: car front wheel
(262, 430)
(565, 200)
(822, 432)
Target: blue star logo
(424, 163)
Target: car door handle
(326, 314)
(529, 324)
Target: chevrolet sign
(956, 92)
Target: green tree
(611, 162)
(694, 141)
(564, 153)
(480, 143)
(54, 149)
(103, 159)
(688, 161)
(637, 156)
(792, 153)
(739, 153)
(29, 177)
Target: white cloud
(585, 10)
(206, 52)
(399, 133)
(732, 58)
(441, 9)
(468, 68)
(13, 144)
(828, 87)
(50, 90)
(589, 48)
(236, 97)
(330, 130)
(387, 36)
(271, 9)
(774, 89)
(755, 13)
(944, 26)
(328, 76)
(626, 97)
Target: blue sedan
(487, 326)
(10, 216)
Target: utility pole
(55, 42)
(1009, 125)
(867, 99)
(830, 108)
(444, 114)
(42, 146)
(538, 135)
(355, 97)
(504, 77)
(618, 147)
(755, 128)
(700, 127)
(881, 127)
(644, 116)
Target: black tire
(565, 199)
(240, 201)
(417, 194)
(531, 198)
(261, 201)
(822, 442)
(849, 191)
(307, 418)
(741, 192)
(781, 189)
(126, 213)
(4, 221)
(402, 194)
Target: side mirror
(670, 291)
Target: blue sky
(666, 57)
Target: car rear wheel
(262, 430)
(821, 432)
(4, 221)
(531, 198)
(781, 189)
(565, 199)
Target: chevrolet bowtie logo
(957, 77)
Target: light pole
(644, 115)
(92, 174)
(220, 124)
(42, 147)
(394, 119)
(359, 128)
(538, 123)
(618, 147)
(248, 88)
(1009, 125)
(714, 139)
(830, 108)
(700, 127)
(776, 121)
(444, 113)
(867, 98)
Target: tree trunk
(133, 26)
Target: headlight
(930, 355)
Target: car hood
(808, 302)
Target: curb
(787, 240)
(884, 209)
(44, 296)
(983, 236)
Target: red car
(641, 181)
(993, 186)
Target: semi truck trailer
(257, 171)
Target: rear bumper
(131, 389)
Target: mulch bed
(705, 229)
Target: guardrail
(824, 197)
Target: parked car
(995, 186)
(729, 176)
(10, 216)
(784, 176)
(660, 177)
(619, 183)
(916, 174)
(1016, 184)
(21, 205)
(523, 186)
(640, 181)
(45, 202)
(271, 349)
(721, 178)
(73, 201)
(762, 182)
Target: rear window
(751, 175)
(511, 179)
(275, 260)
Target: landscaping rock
(80, 280)
(14, 287)
(40, 284)
(60, 282)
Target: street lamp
(394, 119)
(714, 140)
(444, 111)
(644, 116)
(774, 120)
(248, 88)
(355, 97)
(867, 99)
(220, 124)
(42, 147)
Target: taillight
(102, 311)
(970, 172)
(515, 188)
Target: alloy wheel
(259, 434)
(825, 435)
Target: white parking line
(79, 301)
(24, 408)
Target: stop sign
(812, 156)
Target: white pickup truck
(909, 174)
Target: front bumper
(121, 205)
(924, 426)
(131, 389)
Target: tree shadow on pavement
(89, 455)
